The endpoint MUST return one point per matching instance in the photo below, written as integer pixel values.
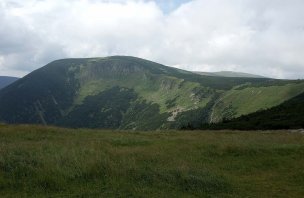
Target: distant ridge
(230, 74)
(6, 80)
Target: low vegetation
(246, 100)
(40, 161)
(288, 115)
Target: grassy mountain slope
(6, 80)
(288, 115)
(242, 101)
(129, 93)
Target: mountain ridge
(232, 74)
(7, 80)
(123, 92)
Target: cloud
(255, 36)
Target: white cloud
(256, 36)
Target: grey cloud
(256, 36)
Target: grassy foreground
(53, 162)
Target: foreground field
(52, 162)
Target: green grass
(237, 102)
(54, 162)
(155, 89)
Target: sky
(264, 37)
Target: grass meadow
(37, 161)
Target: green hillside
(242, 101)
(123, 92)
(40, 161)
(288, 115)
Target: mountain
(6, 80)
(122, 92)
(230, 74)
(288, 115)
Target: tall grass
(40, 161)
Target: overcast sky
(263, 37)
